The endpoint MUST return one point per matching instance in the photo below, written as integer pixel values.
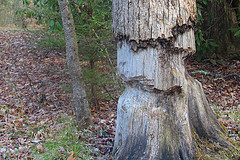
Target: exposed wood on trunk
(162, 104)
(73, 62)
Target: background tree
(217, 32)
(162, 108)
(79, 94)
(93, 29)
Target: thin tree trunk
(73, 62)
(162, 104)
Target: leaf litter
(35, 90)
(221, 84)
(31, 94)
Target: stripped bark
(73, 62)
(162, 104)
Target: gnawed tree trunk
(73, 62)
(162, 104)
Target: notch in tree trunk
(162, 104)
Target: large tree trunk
(162, 104)
(73, 62)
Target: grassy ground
(62, 141)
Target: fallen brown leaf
(71, 156)
(40, 148)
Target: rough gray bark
(73, 62)
(162, 104)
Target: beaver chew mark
(162, 42)
(180, 29)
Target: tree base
(160, 109)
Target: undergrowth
(49, 40)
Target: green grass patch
(62, 141)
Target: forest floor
(36, 110)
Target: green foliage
(215, 28)
(51, 41)
(237, 30)
(204, 44)
(44, 11)
(93, 26)
(92, 20)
